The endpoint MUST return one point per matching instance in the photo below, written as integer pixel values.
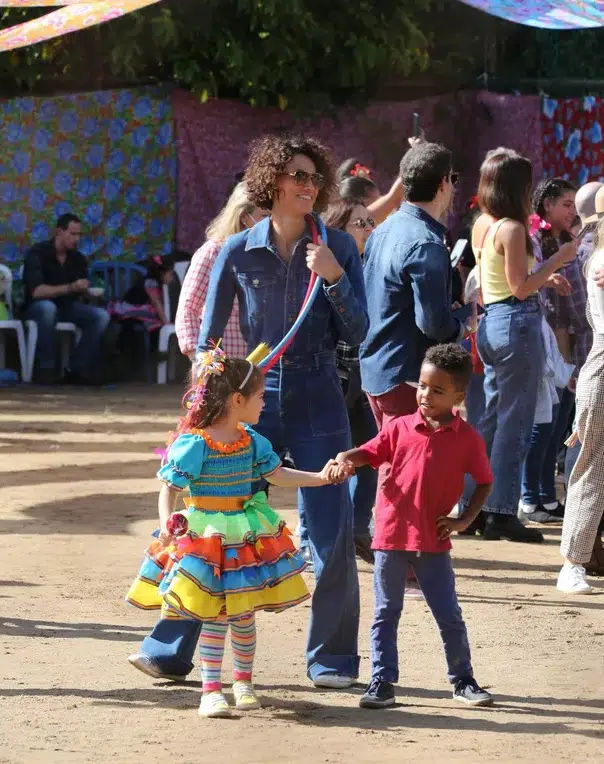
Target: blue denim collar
(259, 237)
(417, 212)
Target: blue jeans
(435, 576)
(305, 414)
(91, 320)
(511, 348)
(538, 473)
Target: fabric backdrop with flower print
(546, 14)
(572, 138)
(109, 157)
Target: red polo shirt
(425, 480)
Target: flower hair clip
(361, 171)
(536, 224)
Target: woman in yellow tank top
(509, 335)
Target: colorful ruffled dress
(238, 555)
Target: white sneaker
(245, 696)
(334, 681)
(214, 705)
(571, 580)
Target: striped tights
(211, 650)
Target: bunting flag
(76, 15)
(546, 14)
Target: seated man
(55, 278)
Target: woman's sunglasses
(303, 178)
(363, 223)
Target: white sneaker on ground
(571, 580)
(214, 705)
(334, 681)
(245, 696)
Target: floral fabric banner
(546, 14)
(108, 157)
(572, 138)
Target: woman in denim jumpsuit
(267, 268)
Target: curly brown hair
(268, 157)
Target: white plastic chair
(12, 325)
(163, 372)
(65, 328)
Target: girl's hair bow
(537, 224)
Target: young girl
(143, 301)
(231, 554)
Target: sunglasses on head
(303, 178)
(363, 223)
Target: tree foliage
(261, 51)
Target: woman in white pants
(585, 498)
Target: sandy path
(77, 504)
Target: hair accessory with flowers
(207, 363)
(473, 202)
(157, 260)
(361, 171)
(536, 224)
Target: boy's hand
(445, 526)
(337, 472)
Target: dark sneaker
(467, 691)
(509, 527)
(148, 666)
(557, 512)
(540, 516)
(362, 545)
(379, 694)
(475, 528)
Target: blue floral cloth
(109, 157)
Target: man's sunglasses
(303, 178)
(454, 178)
(363, 223)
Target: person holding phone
(509, 337)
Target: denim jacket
(408, 282)
(270, 294)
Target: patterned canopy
(546, 14)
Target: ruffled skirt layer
(229, 563)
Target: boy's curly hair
(454, 360)
(268, 157)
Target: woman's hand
(599, 277)
(568, 252)
(322, 261)
(561, 284)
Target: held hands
(337, 472)
(322, 261)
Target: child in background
(144, 301)
(430, 453)
(229, 554)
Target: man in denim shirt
(408, 284)
(268, 268)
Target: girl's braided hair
(551, 188)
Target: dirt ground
(77, 505)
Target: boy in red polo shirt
(429, 454)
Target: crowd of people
(365, 402)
